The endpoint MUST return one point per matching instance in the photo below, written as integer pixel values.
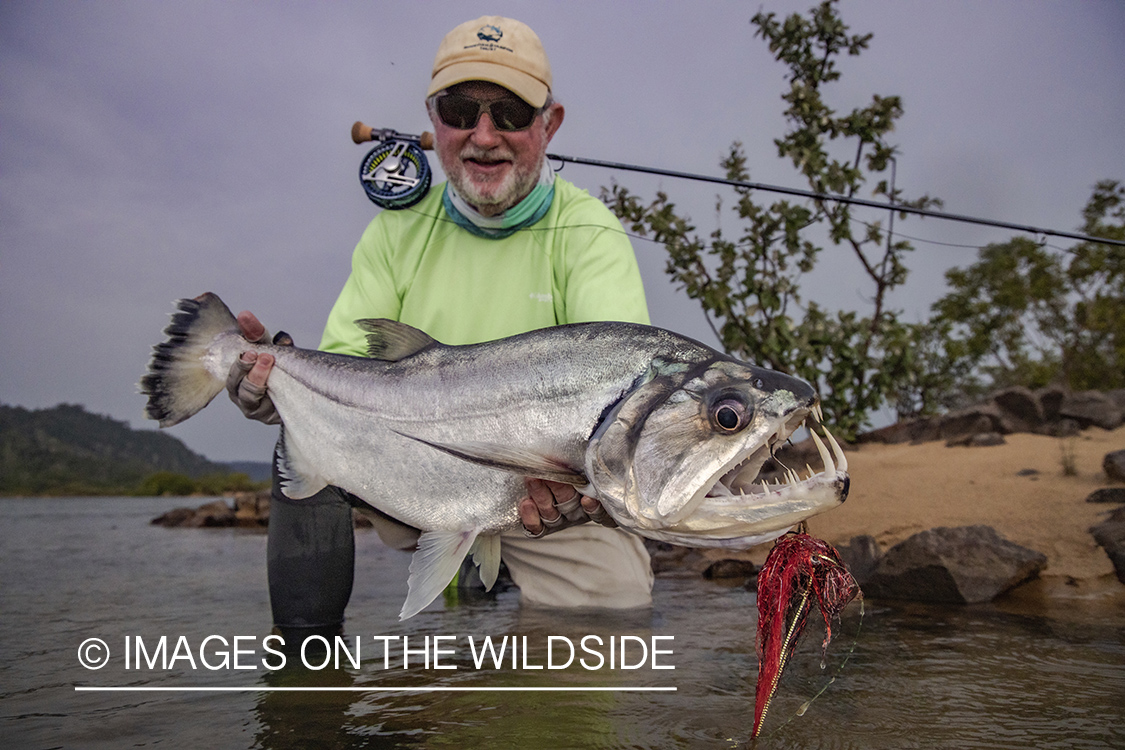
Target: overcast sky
(151, 151)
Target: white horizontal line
(256, 689)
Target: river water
(680, 675)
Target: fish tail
(178, 383)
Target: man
(504, 247)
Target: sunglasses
(463, 112)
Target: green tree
(166, 483)
(1028, 314)
(749, 287)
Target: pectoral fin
(507, 458)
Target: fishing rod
(397, 175)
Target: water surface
(901, 676)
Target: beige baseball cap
(495, 49)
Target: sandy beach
(899, 490)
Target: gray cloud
(153, 151)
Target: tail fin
(178, 383)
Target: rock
(970, 421)
(977, 440)
(729, 568)
(861, 555)
(674, 561)
(1050, 400)
(1114, 465)
(1110, 536)
(963, 565)
(1020, 410)
(1091, 409)
(1107, 495)
(175, 517)
(1061, 428)
(252, 508)
(1118, 396)
(919, 430)
(216, 513)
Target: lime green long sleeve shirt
(418, 267)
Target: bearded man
(503, 247)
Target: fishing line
(396, 174)
(804, 707)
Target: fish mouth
(745, 478)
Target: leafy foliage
(749, 286)
(1032, 315)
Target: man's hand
(552, 506)
(246, 382)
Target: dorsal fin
(391, 341)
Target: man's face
(492, 169)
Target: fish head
(679, 457)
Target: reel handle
(362, 133)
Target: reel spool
(395, 174)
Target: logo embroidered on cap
(489, 33)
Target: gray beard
(516, 186)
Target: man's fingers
(529, 517)
(260, 372)
(252, 328)
(542, 498)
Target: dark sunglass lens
(458, 111)
(511, 114)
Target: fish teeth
(841, 461)
(829, 465)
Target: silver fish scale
(545, 394)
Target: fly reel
(395, 174)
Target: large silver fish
(668, 434)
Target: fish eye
(730, 414)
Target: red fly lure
(799, 569)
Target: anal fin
(435, 562)
(486, 556)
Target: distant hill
(68, 450)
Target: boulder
(970, 421)
(252, 508)
(174, 517)
(861, 556)
(1050, 401)
(1107, 495)
(1110, 536)
(1114, 466)
(962, 565)
(674, 561)
(920, 430)
(1020, 410)
(1091, 409)
(216, 513)
(730, 568)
